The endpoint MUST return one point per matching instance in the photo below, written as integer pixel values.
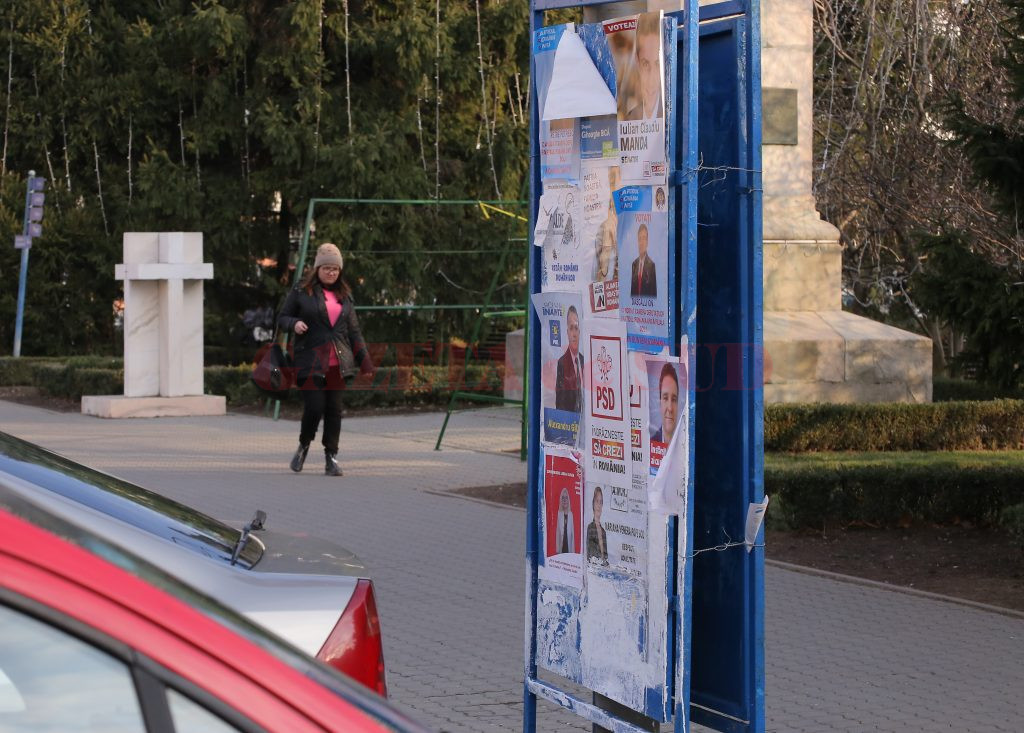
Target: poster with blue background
(643, 265)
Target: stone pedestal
(515, 368)
(163, 277)
(814, 351)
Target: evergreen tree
(979, 286)
(227, 117)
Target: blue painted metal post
(685, 162)
(531, 344)
(23, 273)
(755, 375)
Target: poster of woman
(563, 518)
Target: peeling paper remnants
(614, 642)
(558, 631)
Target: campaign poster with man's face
(667, 400)
(635, 43)
(563, 367)
(643, 268)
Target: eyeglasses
(330, 268)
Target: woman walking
(329, 351)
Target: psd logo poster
(600, 237)
(635, 45)
(608, 453)
(643, 265)
(559, 139)
(563, 518)
(669, 407)
(563, 367)
(560, 231)
(616, 507)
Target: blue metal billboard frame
(727, 684)
(722, 691)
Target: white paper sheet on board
(576, 88)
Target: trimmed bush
(950, 390)
(993, 425)
(18, 371)
(62, 380)
(883, 488)
(389, 386)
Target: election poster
(559, 150)
(599, 139)
(559, 139)
(562, 518)
(635, 46)
(609, 470)
(643, 268)
(563, 367)
(666, 387)
(669, 421)
(600, 286)
(560, 231)
(639, 421)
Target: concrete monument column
(163, 277)
(815, 351)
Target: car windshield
(340, 685)
(122, 500)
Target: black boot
(300, 457)
(331, 467)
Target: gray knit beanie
(328, 254)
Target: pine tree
(979, 287)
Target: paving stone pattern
(450, 574)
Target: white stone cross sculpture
(163, 275)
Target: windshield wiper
(243, 539)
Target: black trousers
(321, 399)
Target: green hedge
(945, 389)
(18, 372)
(992, 425)
(815, 489)
(389, 386)
(64, 380)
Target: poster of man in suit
(563, 367)
(644, 279)
(643, 242)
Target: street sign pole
(23, 274)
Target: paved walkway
(450, 575)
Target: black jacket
(312, 350)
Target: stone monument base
(184, 406)
(834, 356)
(515, 371)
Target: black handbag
(273, 372)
